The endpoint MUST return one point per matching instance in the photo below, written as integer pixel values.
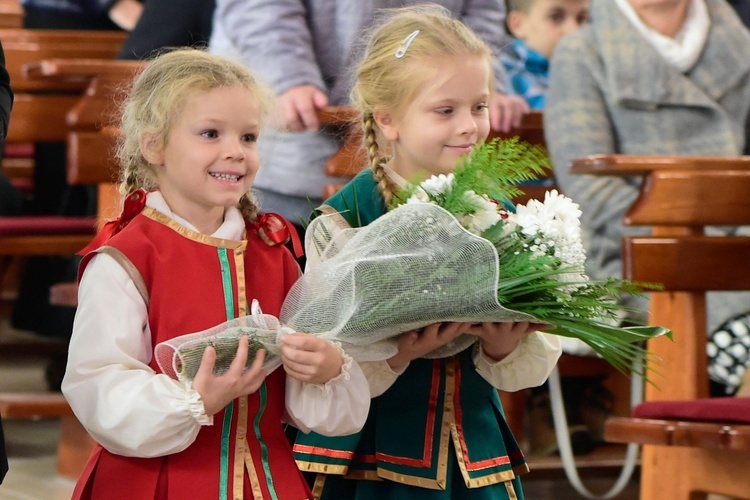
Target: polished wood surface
(711, 435)
(678, 197)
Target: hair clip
(401, 51)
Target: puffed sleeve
(124, 404)
(528, 365)
(337, 408)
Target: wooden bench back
(92, 121)
(41, 105)
(11, 14)
(679, 196)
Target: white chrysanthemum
(438, 184)
(419, 196)
(485, 214)
(557, 223)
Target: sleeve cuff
(196, 407)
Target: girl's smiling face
(447, 117)
(210, 157)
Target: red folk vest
(193, 282)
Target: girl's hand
(417, 343)
(217, 391)
(310, 359)
(500, 339)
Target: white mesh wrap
(181, 356)
(409, 268)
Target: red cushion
(30, 225)
(727, 409)
(19, 150)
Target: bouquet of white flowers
(452, 248)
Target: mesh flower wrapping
(413, 266)
(452, 248)
(180, 357)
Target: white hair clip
(401, 51)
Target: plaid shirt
(528, 72)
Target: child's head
(189, 128)
(542, 23)
(422, 90)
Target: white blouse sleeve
(380, 376)
(125, 405)
(529, 365)
(337, 408)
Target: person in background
(669, 77)
(537, 26)
(77, 15)
(306, 50)
(10, 198)
(422, 91)
(742, 7)
(169, 23)
(191, 251)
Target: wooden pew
(679, 196)
(92, 121)
(11, 14)
(39, 115)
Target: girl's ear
(151, 149)
(387, 125)
(516, 21)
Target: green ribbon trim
(263, 395)
(225, 431)
(226, 279)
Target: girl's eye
(210, 134)
(557, 16)
(249, 138)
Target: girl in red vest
(189, 252)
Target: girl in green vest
(436, 427)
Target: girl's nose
(469, 123)
(235, 151)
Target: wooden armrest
(677, 433)
(624, 165)
(76, 69)
(337, 115)
(33, 405)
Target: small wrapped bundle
(181, 356)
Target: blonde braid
(130, 181)
(248, 208)
(370, 140)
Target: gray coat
(316, 42)
(611, 92)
